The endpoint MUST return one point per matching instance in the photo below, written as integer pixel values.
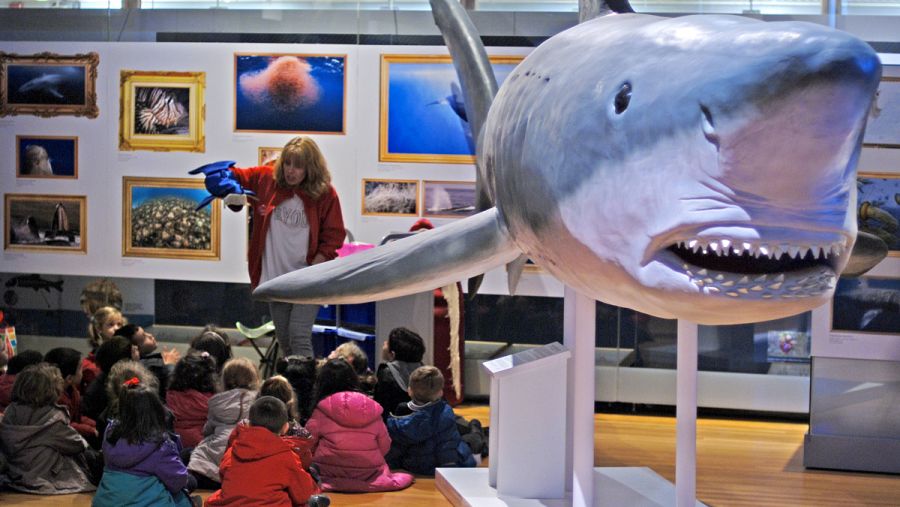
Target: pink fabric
(352, 248)
(349, 442)
(190, 409)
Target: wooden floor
(739, 463)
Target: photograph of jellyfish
(878, 198)
(46, 157)
(289, 93)
(390, 197)
(883, 128)
(268, 154)
(866, 304)
(160, 219)
(161, 111)
(45, 223)
(448, 199)
(423, 116)
(48, 84)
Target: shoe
(318, 501)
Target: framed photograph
(883, 128)
(45, 223)
(282, 92)
(448, 199)
(269, 154)
(787, 346)
(47, 157)
(48, 84)
(423, 116)
(160, 219)
(878, 198)
(161, 111)
(390, 197)
(866, 304)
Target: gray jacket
(43, 451)
(225, 411)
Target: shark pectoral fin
(414, 264)
(867, 252)
(514, 272)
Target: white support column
(686, 416)
(579, 329)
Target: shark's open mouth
(759, 270)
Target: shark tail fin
(417, 263)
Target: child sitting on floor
(70, 365)
(104, 322)
(259, 467)
(358, 359)
(142, 463)
(194, 382)
(402, 353)
(161, 363)
(349, 436)
(296, 435)
(300, 371)
(16, 364)
(427, 438)
(46, 455)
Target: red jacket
(326, 223)
(189, 408)
(6, 385)
(259, 468)
(84, 425)
(89, 371)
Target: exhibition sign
(49, 84)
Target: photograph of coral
(390, 197)
(883, 129)
(448, 199)
(45, 223)
(268, 154)
(160, 219)
(276, 92)
(49, 84)
(423, 116)
(879, 208)
(47, 157)
(866, 304)
(161, 111)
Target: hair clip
(204, 354)
(132, 382)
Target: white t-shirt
(287, 241)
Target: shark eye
(623, 98)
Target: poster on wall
(267, 155)
(878, 212)
(448, 199)
(883, 128)
(49, 84)
(390, 197)
(45, 223)
(160, 219)
(47, 157)
(867, 304)
(423, 116)
(278, 92)
(161, 111)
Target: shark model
(700, 167)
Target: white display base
(613, 487)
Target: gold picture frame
(426, 126)
(162, 111)
(268, 154)
(390, 198)
(45, 223)
(48, 84)
(47, 157)
(159, 219)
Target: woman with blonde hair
(297, 222)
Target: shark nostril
(708, 126)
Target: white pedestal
(616, 487)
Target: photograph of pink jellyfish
(289, 93)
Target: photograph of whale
(448, 199)
(46, 84)
(699, 167)
(867, 305)
(40, 222)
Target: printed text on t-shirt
(292, 217)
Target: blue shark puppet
(700, 167)
(220, 181)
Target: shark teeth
(763, 250)
(735, 285)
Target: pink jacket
(349, 444)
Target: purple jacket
(159, 459)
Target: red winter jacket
(259, 468)
(84, 425)
(89, 371)
(326, 223)
(6, 385)
(190, 409)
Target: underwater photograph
(45, 84)
(46, 157)
(866, 304)
(289, 93)
(878, 209)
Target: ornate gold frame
(129, 140)
(89, 61)
(8, 202)
(362, 204)
(383, 154)
(128, 250)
